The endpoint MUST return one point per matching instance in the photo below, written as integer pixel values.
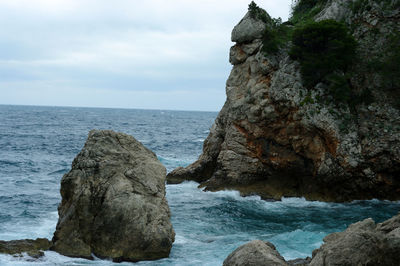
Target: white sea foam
(180, 239)
(42, 227)
(288, 243)
(47, 225)
(208, 225)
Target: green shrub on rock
(256, 12)
(322, 48)
(276, 36)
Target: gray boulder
(113, 202)
(362, 243)
(255, 253)
(248, 29)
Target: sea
(38, 144)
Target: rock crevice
(267, 131)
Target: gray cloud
(160, 54)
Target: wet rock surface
(33, 248)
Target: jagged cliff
(274, 138)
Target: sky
(153, 54)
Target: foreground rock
(274, 138)
(113, 202)
(33, 248)
(362, 243)
(255, 253)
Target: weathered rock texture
(113, 202)
(248, 29)
(266, 141)
(33, 248)
(255, 253)
(362, 243)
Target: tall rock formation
(113, 202)
(274, 138)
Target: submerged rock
(33, 248)
(255, 253)
(113, 202)
(274, 138)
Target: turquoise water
(38, 144)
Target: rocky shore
(275, 137)
(362, 243)
(34, 248)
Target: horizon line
(100, 107)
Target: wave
(30, 226)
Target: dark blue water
(38, 144)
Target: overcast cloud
(123, 53)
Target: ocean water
(38, 144)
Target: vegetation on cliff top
(276, 33)
(325, 50)
(256, 12)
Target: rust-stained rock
(268, 140)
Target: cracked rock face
(113, 202)
(268, 140)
